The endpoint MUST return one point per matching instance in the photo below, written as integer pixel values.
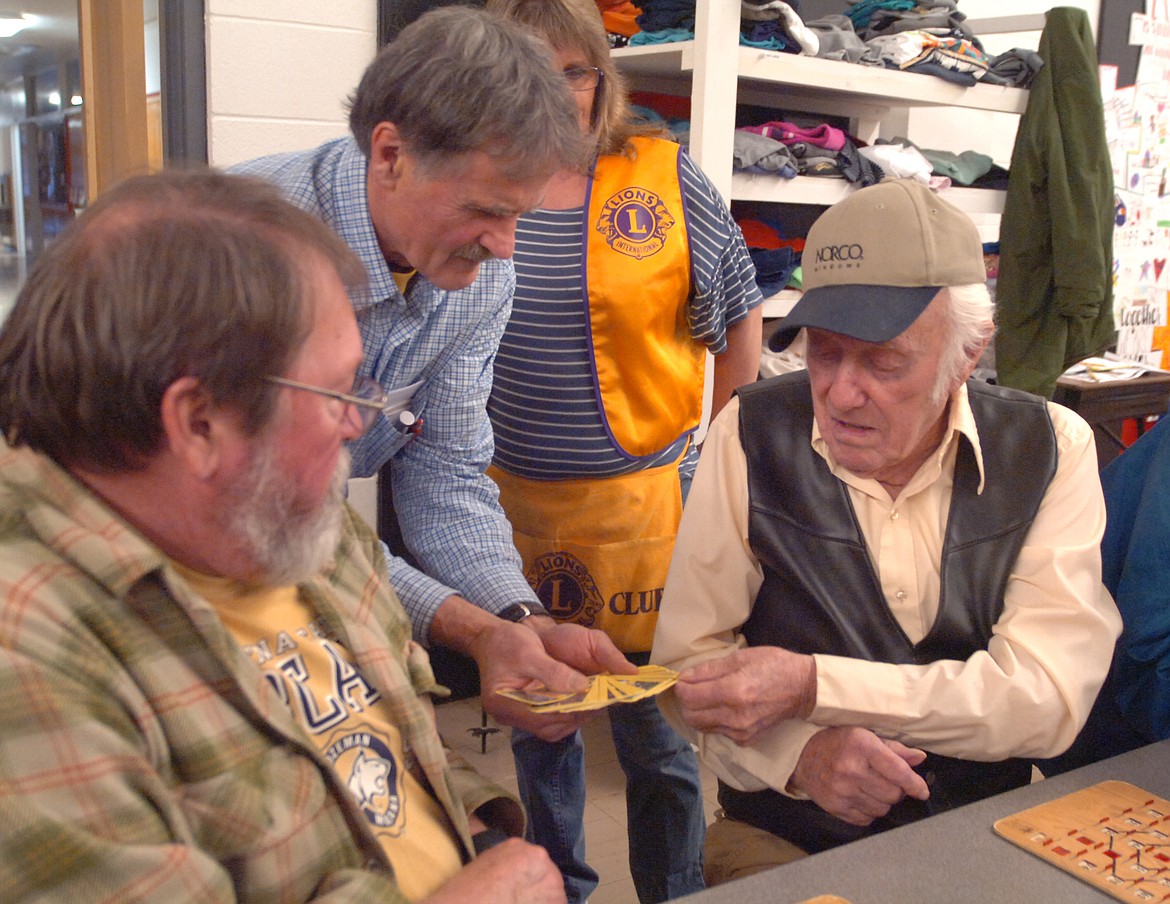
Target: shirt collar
(356, 227)
(74, 522)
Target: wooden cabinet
(1107, 405)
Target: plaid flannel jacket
(144, 757)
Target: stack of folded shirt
(964, 168)
(903, 161)
(667, 16)
(820, 151)
(925, 36)
(1016, 67)
(767, 24)
(949, 56)
(775, 25)
(620, 18)
(776, 258)
(872, 18)
(756, 153)
(837, 39)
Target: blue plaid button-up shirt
(448, 508)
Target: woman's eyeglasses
(582, 78)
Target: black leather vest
(820, 593)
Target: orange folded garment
(619, 17)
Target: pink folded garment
(824, 135)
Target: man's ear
(973, 359)
(195, 428)
(970, 362)
(387, 153)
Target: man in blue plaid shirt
(457, 127)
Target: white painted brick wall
(278, 75)
(279, 72)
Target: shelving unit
(717, 73)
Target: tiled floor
(605, 809)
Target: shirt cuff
(852, 692)
(768, 762)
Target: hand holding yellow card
(603, 690)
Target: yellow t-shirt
(314, 674)
(402, 278)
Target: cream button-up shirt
(1026, 695)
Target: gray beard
(288, 542)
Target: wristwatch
(488, 838)
(517, 612)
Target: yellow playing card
(603, 690)
(534, 696)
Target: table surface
(1149, 377)
(1106, 404)
(953, 858)
(1151, 390)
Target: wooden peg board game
(1112, 835)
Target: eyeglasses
(367, 397)
(582, 78)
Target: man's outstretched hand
(746, 693)
(536, 651)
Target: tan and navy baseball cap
(874, 261)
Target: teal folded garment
(963, 168)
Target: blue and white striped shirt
(543, 405)
(448, 508)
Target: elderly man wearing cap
(886, 593)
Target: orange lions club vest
(596, 550)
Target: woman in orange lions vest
(626, 278)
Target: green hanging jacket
(1054, 297)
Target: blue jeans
(664, 802)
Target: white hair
(971, 317)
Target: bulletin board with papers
(1137, 120)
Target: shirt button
(894, 515)
(900, 595)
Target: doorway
(80, 107)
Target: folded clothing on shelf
(620, 17)
(823, 135)
(926, 51)
(761, 154)
(779, 20)
(821, 150)
(667, 15)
